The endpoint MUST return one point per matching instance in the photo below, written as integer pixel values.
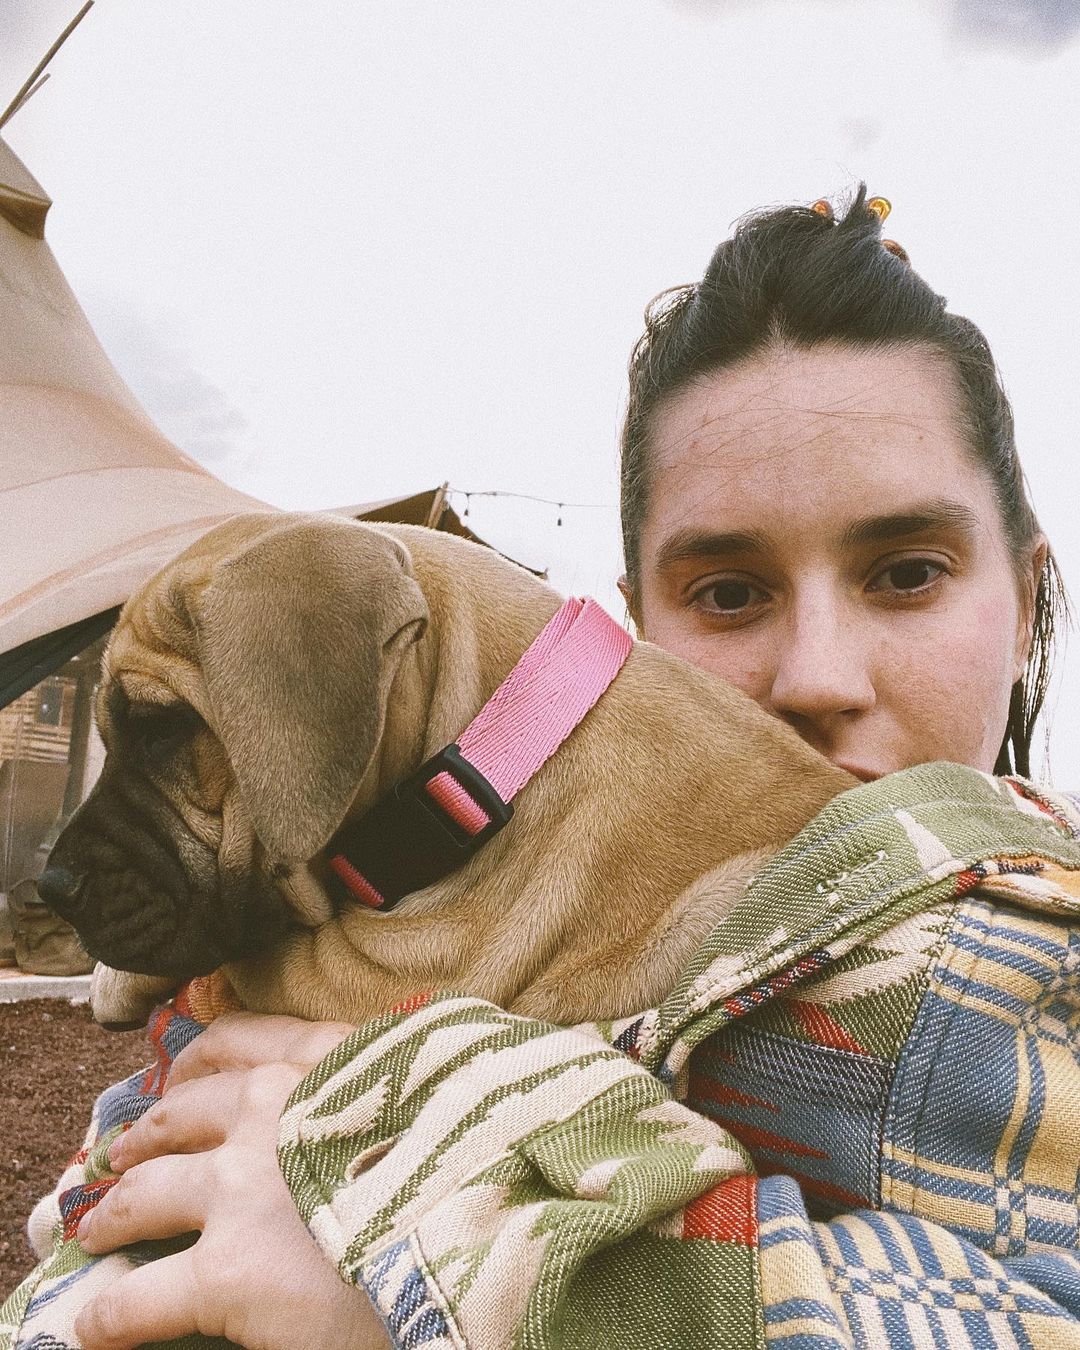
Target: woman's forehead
(826, 435)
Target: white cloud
(1018, 26)
(188, 407)
(1032, 25)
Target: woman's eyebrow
(688, 544)
(940, 514)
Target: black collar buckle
(406, 841)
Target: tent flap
(34, 661)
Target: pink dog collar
(434, 821)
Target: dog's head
(242, 704)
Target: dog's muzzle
(141, 902)
(59, 887)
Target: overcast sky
(346, 251)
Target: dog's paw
(122, 1001)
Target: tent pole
(28, 88)
(81, 719)
(438, 506)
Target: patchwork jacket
(854, 1122)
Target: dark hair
(801, 276)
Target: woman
(810, 411)
(821, 503)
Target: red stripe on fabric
(823, 1029)
(755, 1138)
(814, 1187)
(93, 1194)
(154, 1079)
(708, 1089)
(357, 883)
(740, 1004)
(445, 789)
(413, 1002)
(727, 1213)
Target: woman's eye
(913, 574)
(730, 596)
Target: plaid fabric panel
(983, 1129)
(904, 1283)
(803, 1081)
(811, 1112)
(873, 1280)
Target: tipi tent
(93, 500)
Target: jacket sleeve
(493, 1181)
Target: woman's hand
(204, 1158)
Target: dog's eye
(159, 731)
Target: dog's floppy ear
(300, 632)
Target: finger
(157, 1302)
(162, 1198)
(243, 1040)
(232, 1041)
(235, 1105)
(194, 1118)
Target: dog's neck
(488, 635)
(703, 787)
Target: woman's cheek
(740, 658)
(944, 687)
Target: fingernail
(83, 1228)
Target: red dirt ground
(54, 1060)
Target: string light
(469, 494)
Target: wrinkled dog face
(243, 699)
(160, 870)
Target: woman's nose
(823, 668)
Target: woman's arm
(458, 1162)
(531, 1186)
(487, 1179)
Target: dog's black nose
(59, 887)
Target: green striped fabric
(851, 1123)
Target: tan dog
(284, 672)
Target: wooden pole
(28, 88)
(82, 718)
(438, 506)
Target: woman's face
(818, 534)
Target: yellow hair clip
(881, 207)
